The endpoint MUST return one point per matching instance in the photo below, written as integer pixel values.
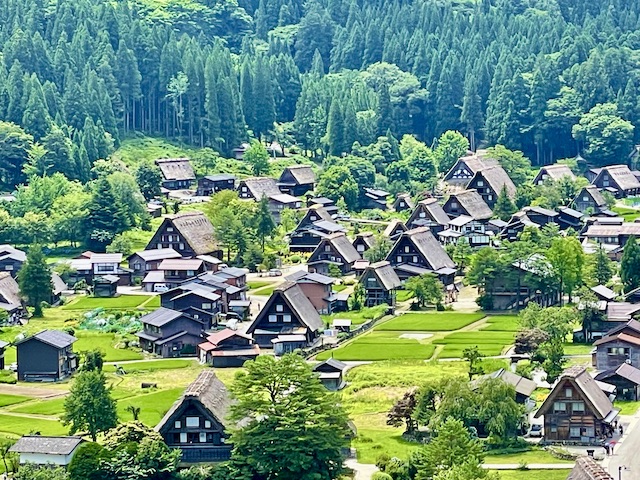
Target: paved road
(625, 453)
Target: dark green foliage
(630, 265)
(504, 207)
(85, 464)
(34, 279)
(149, 180)
(105, 218)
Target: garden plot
(489, 343)
(430, 322)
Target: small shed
(331, 373)
(341, 325)
(42, 450)
(283, 344)
(105, 286)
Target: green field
(153, 406)
(53, 407)
(531, 456)
(18, 425)
(627, 407)
(629, 214)
(430, 322)
(404, 295)
(489, 343)
(577, 348)
(502, 323)
(6, 399)
(556, 474)
(105, 343)
(381, 346)
(151, 366)
(257, 284)
(90, 303)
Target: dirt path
(35, 392)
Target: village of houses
(195, 308)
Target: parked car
(536, 430)
(274, 272)
(160, 288)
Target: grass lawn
(532, 456)
(257, 284)
(381, 346)
(20, 425)
(135, 150)
(627, 407)
(357, 318)
(265, 291)
(339, 288)
(404, 295)
(151, 366)
(105, 343)
(502, 323)
(6, 399)
(53, 407)
(577, 348)
(153, 302)
(123, 301)
(430, 322)
(629, 214)
(560, 474)
(489, 343)
(153, 406)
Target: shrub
(485, 302)
(381, 476)
(295, 259)
(7, 376)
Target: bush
(295, 259)
(485, 302)
(7, 376)
(381, 476)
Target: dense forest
(78, 76)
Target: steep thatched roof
(176, 169)
(471, 201)
(197, 231)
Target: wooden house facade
(380, 283)
(336, 249)
(177, 173)
(188, 233)
(297, 180)
(170, 333)
(212, 184)
(47, 356)
(227, 348)
(489, 182)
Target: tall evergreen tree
(105, 219)
(34, 279)
(630, 265)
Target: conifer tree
(504, 207)
(34, 279)
(105, 218)
(630, 265)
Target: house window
(313, 218)
(137, 266)
(406, 249)
(585, 199)
(327, 248)
(489, 197)
(399, 259)
(360, 248)
(193, 422)
(183, 437)
(8, 267)
(206, 306)
(422, 214)
(568, 392)
(559, 407)
(480, 183)
(454, 204)
(181, 246)
(279, 308)
(554, 429)
(177, 424)
(415, 259)
(190, 273)
(577, 407)
(169, 229)
(574, 432)
(286, 318)
(244, 189)
(273, 318)
(203, 437)
(207, 424)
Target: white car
(536, 430)
(160, 288)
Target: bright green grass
(153, 406)
(555, 474)
(359, 317)
(577, 349)
(532, 456)
(627, 407)
(381, 346)
(488, 343)
(53, 407)
(21, 425)
(123, 301)
(6, 399)
(502, 323)
(135, 150)
(339, 288)
(430, 322)
(404, 295)
(629, 214)
(265, 291)
(153, 302)
(257, 284)
(105, 343)
(150, 366)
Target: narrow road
(624, 464)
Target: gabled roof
(216, 338)
(621, 311)
(496, 177)
(589, 389)
(161, 317)
(58, 284)
(220, 177)
(595, 195)
(9, 289)
(632, 325)
(301, 276)
(210, 392)
(297, 301)
(181, 264)
(624, 370)
(260, 186)
(8, 251)
(407, 200)
(473, 203)
(619, 337)
(433, 209)
(196, 230)
(176, 169)
(622, 175)
(522, 385)
(46, 445)
(157, 254)
(586, 468)
(555, 172)
(333, 363)
(366, 237)
(425, 243)
(55, 338)
(474, 162)
(341, 244)
(302, 174)
(386, 275)
(393, 226)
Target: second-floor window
(559, 407)
(192, 422)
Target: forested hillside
(77, 76)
